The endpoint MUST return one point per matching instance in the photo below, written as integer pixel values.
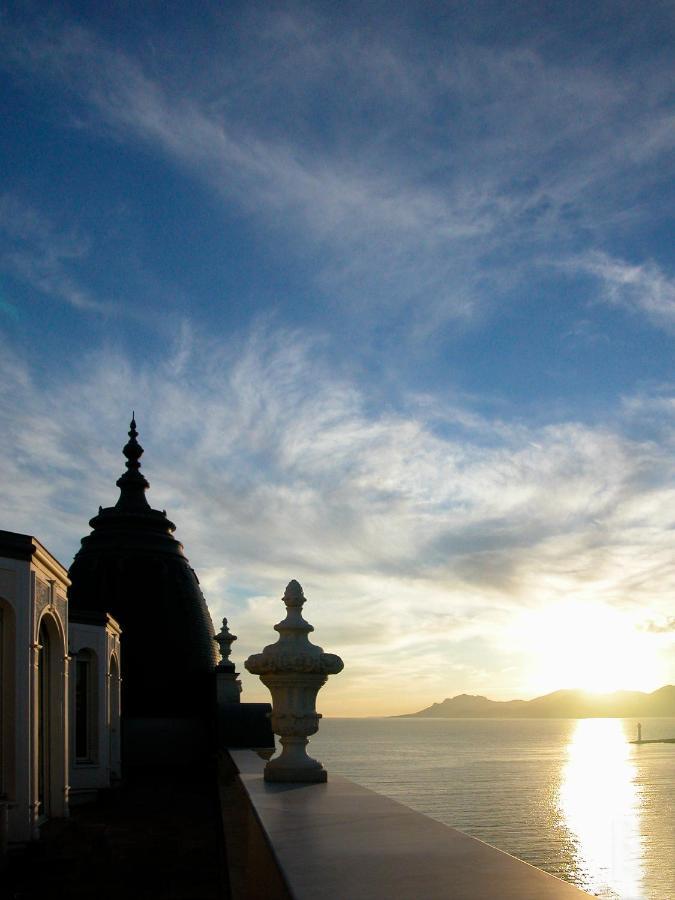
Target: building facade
(59, 691)
(95, 754)
(35, 667)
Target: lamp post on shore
(294, 670)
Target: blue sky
(391, 289)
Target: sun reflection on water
(600, 804)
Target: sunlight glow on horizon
(588, 646)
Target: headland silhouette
(563, 704)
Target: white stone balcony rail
(340, 841)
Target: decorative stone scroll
(293, 669)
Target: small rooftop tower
(132, 567)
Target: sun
(589, 646)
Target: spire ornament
(132, 449)
(132, 484)
(294, 670)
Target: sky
(391, 290)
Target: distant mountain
(558, 705)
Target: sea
(572, 796)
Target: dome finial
(132, 484)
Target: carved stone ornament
(225, 639)
(228, 686)
(294, 670)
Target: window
(85, 707)
(44, 742)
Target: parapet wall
(339, 840)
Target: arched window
(85, 706)
(50, 751)
(44, 720)
(114, 718)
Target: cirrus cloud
(411, 545)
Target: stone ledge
(340, 840)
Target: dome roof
(132, 567)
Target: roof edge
(15, 545)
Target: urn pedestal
(293, 669)
(228, 686)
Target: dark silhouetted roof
(132, 567)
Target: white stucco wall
(32, 592)
(102, 642)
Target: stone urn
(228, 686)
(294, 670)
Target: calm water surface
(570, 796)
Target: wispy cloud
(408, 544)
(39, 254)
(434, 167)
(643, 288)
(665, 627)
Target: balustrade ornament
(228, 686)
(294, 670)
(225, 639)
